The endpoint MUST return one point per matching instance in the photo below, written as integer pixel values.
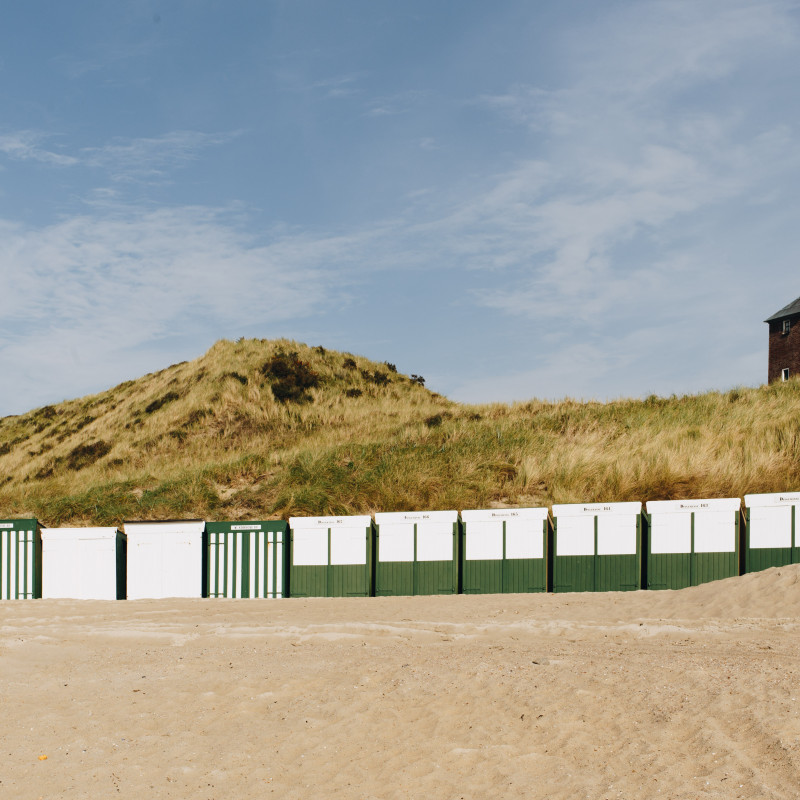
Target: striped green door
(20, 559)
(246, 559)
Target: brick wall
(784, 349)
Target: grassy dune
(261, 429)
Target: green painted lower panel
(483, 576)
(525, 575)
(596, 573)
(756, 559)
(512, 575)
(308, 581)
(669, 570)
(715, 566)
(679, 570)
(573, 573)
(415, 577)
(437, 577)
(340, 580)
(618, 573)
(349, 580)
(394, 578)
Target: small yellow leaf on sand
(42, 758)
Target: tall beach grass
(260, 429)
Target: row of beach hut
(672, 544)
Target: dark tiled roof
(787, 311)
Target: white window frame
(785, 374)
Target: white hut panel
(165, 559)
(80, 563)
(348, 540)
(484, 540)
(310, 548)
(714, 525)
(524, 538)
(714, 532)
(574, 536)
(770, 522)
(671, 533)
(484, 533)
(396, 542)
(436, 542)
(770, 527)
(434, 535)
(349, 545)
(616, 535)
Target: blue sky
(513, 199)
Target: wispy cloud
(339, 86)
(141, 160)
(28, 146)
(85, 293)
(643, 196)
(150, 159)
(639, 142)
(398, 103)
(336, 87)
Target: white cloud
(84, 296)
(26, 146)
(640, 145)
(652, 199)
(397, 103)
(339, 86)
(150, 159)
(143, 160)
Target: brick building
(784, 343)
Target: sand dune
(689, 694)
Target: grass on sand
(260, 429)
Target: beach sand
(689, 694)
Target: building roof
(787, 311)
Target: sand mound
(690, 694)
(773, 593)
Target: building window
(787, 326)
(785, 374)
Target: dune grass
(260, 429)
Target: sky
(512, 199)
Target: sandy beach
(689, 694)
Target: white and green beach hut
(416, 552)
(330, 556)
(504, 550)
(246, 559)
(597, 547)
(20, 559)
(691, 541)
(772, 536)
